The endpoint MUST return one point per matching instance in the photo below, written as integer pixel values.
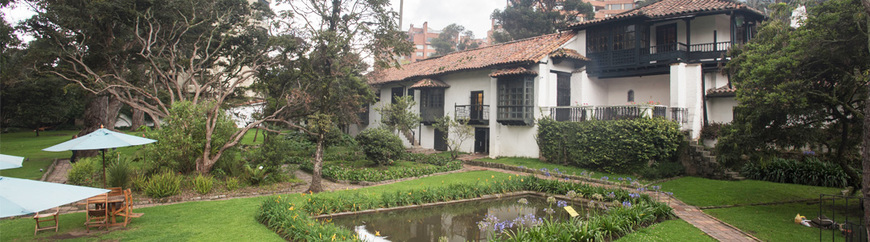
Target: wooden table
(114, 202)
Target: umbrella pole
(104, 167)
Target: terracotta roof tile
(426, 82)
(515, 52)
(721, 91)
(671, 8)
(569, 54)
(512, 71)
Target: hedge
(611, 146)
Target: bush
(163, 185)
(182, 138)
(280, 150)
(233, 183)
(138, 183)
(613, 146)
(119, 174)
(376, 175)
(86, 172)
(662, 170)
(711, 131)
(202, 184)
(428, 159)
(811, 172)
(380, 145)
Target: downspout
(704, 96)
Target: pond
(456, 222)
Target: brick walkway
(711, 226)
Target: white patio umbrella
(10, 161)
(23, 196)
(100, 139)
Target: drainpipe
(704, 96)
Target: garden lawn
(570, 170)
(776, 222)
(670, 230)
(211, 220)
(27, 144)
(703, 192)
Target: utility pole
(401, 13)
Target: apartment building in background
(422, 39)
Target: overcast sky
(472, 14)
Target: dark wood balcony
(475, 114)
(587, 113)
(430, 115)
(653, 59)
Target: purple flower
(604, 178)
(611, 195)
(626, 204)
(547, 173)
(634, 195)
(561, 203)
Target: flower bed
(353, 175)
(292, 220)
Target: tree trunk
(93, 119)
(865, 183)
(113, 106)
(137, 120)
(318, 166)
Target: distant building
(422, 40)
(602, 8)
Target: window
(666, 38)
(614, 6)
(597, 40)
(623, 37)
(430, 54)
(419, 47)
(419, 53)
(628, 6)
(516, 99)
(431, 104)
(630, 96)
(396, 92)
(429, 47)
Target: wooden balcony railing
(657, 55)
(586, 113)
(475, 114)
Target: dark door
(481, 140)
(563, 96)
(476, 106)
(440, 140)
(666, 38)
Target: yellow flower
(521, 179)
(291, 208)
(333, 237)
(509, 178)
(377, 233)
(493, 176)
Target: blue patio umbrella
(23, 196)
(10, 161)
(100, 139)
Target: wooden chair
(46, 217)
(126, 210)
(97, 214)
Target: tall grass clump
(163, 185)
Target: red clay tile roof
(515, 52)
(426, 82)
(569, 54)
(671, 8)
(721, 91)
(512, 71)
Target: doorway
(481, 140)
(476, 106)
(440, 140)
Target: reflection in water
(456, 222)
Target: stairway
(699, 161)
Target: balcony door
(476, 105)
(666, 38)
(563, 96)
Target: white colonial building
(663, 60)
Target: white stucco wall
(646, 88)
(685, 87)
(720, 109)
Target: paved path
(711, 226)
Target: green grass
(27, 144)
(570, 170)
(212, 220)
(670, 230)
(706, 192)
(776, 222)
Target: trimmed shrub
(376, 175)
(612, 146)
(163, 185)
(86, 172)
(380, 145)
(202, 184)
(428, 159)
(661, 170)
(138, 183)
(810, 171)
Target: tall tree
(149, 54)
(453, 38)
(865, 183)
(796, 89)
(528, 18)
(325, 84)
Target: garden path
(693, 215)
